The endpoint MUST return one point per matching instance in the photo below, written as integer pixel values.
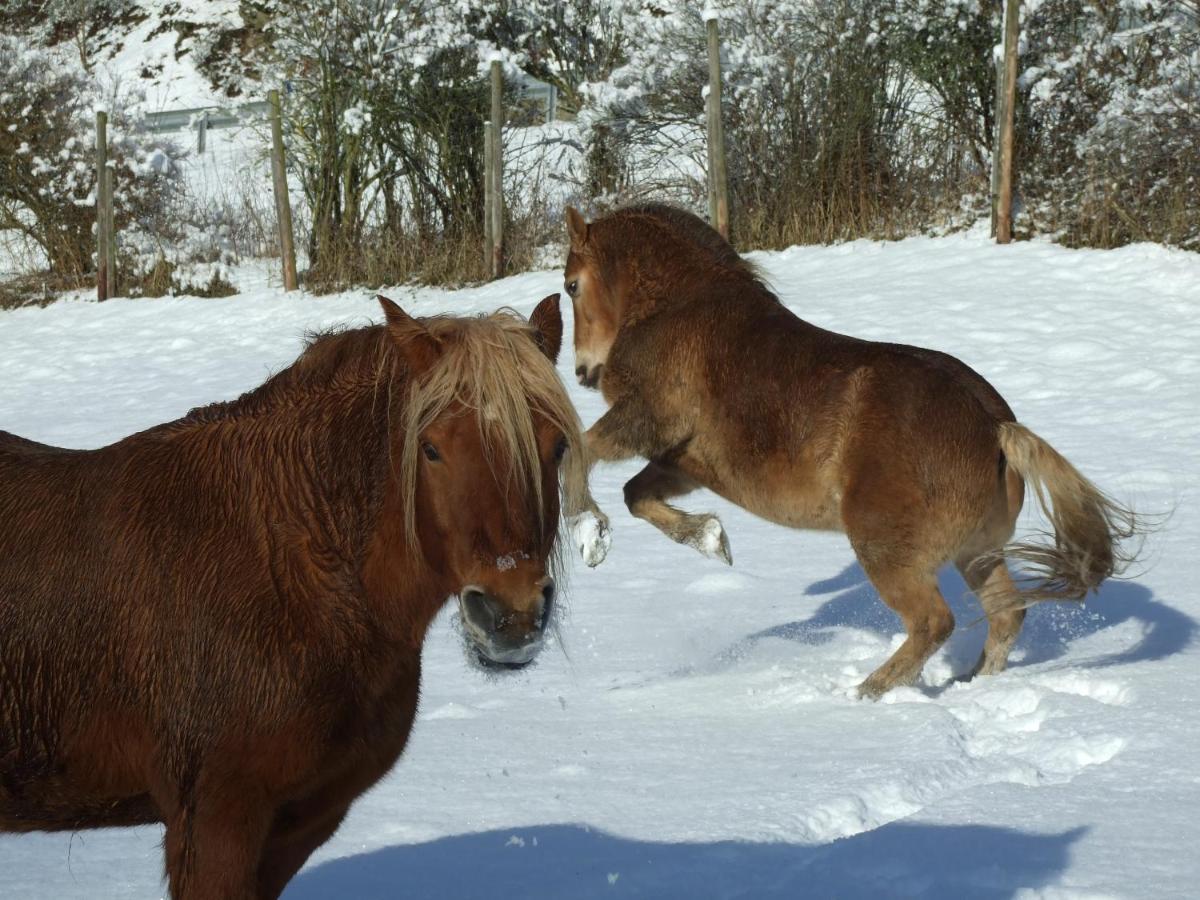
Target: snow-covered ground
(696, 736)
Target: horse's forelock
(492, 366)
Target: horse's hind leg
(986, 573)
(994, 587)
(646, 495)
(927, 619)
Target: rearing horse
(908, 451)
(217, 623)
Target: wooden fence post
(1004, 190)
(102, 219)
(283, 204)
(997, 118)
(487, 196)
(110, 210)
(718, 192)
(496, 173)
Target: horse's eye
(430, 451)
(572, 287)
(560, 449)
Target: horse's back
(777, 350)
(792, 415)
(43, 489)
(17, 447)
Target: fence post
(283, 204)
(110, 210)
(487, 196)
(997, 118)
(496, 173)
(718, 193)
(1004, 190)
(102, 220)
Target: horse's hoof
(870, 691)
(711, 540)
(592, 535)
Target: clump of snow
(355, 119)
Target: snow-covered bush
(384, 108)
(1109, 148)
(570, 44)
(852, 117)
(47, 160)
(823, 132)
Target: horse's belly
(75, 772)
(42, 794)
(58, 808)
(796, 506)
(797, 496)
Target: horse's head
(488, 436)
(596, 306)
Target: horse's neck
(646, 297)
(305, 468)
(337, 480)
(403, 586)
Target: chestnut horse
(908, 451)
(217, 623)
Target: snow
(153, 55)
(694, 732)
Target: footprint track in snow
(1031, 729)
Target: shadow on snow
(897, 860)
(1049, 628)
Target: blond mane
(490, 365)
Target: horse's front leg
(625, 431)
(608, 439)
(214, 844)
(646, 495)
(290, 846)
(629, 429)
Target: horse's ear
(547, 326)
(419, 346)
(577, 228)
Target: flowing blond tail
(1089, 527)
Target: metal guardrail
(173, 120)
(202, 118)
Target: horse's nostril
(480, 609)
(547, 604)
(581, 372)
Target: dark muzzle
(501, 636)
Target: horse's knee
(631, 494)
(940, 623)
(636, 498)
